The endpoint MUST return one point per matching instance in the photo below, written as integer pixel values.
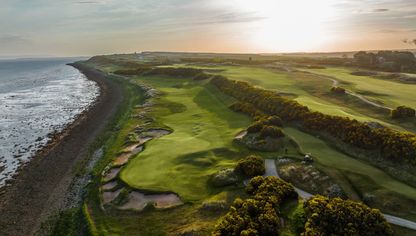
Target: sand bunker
(138, 201)
(241, 134)
(110, 196)
(109, 185)
(156, 133)
(122, 159)
(132, 147)
(144, 139)
(111, 174)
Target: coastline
(42, 185)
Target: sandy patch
(111, 174)
(122, 159)
(138, 201)
(109, 185)
(156, 133)
(110, 196)
(241, 134)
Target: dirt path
(272, 171)
(42, 186)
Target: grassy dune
(200, 144)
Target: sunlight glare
(289, 25)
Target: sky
(91, 27)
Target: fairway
(291, 83)
(390, 93)
(201, 142)
(331, 158)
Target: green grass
(390, 93)
(333, 159)
(200, 144)
(303, 87)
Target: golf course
(171, 166)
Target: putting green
(332, 158)
(200, 144)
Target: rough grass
(331, 158)
(306, 89)
(391, 93)
(200, 144)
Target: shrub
(271, 189)
(271, 131)
(255, 127)
(275, 120)
(338, 90)
(393, 145)
(259, 214)
(176, 72)
(251, 166)
(402, 112)
(202, 76)
(246, 108)
(137, 71)
(335, 216)
(262, 122)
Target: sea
(37, 98)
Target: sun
(293, 25)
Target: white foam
(28, 115)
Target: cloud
(230, 17)
(380, 10)
(12, 40)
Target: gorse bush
(270, 122)
(274, 120)
(251, 166)
(271, 131)
(335, 216)
(247, 108)
(402, 112)
(392, 145)
(271, 189)
(196, 74)
(259, 214)
(338, 90)
(255, 127)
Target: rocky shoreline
(42, 186)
